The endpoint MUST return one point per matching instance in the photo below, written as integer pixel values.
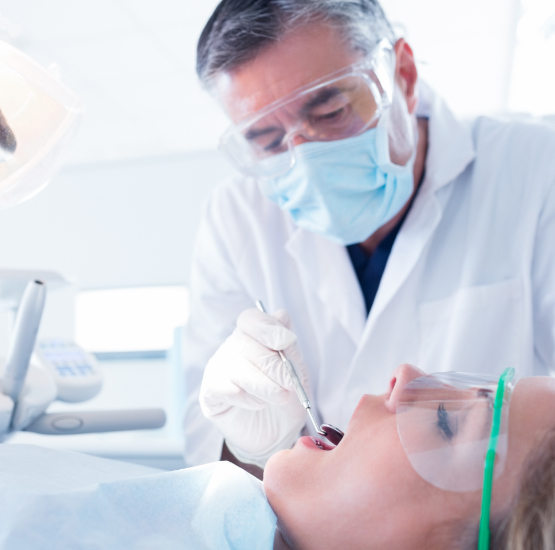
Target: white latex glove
(247, 392)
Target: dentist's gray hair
(239, 29)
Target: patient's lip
(316, 443)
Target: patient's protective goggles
(454, 429)
(444, 422)
(340, 105)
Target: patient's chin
(282, 460)
(273, 471)
(280, 481)
(289, 483)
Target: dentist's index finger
(265, 329)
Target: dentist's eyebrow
(258, 132)
(321, 98)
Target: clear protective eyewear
(341, 105)
(454, 430)
(506, 384)
(38, 117)
(444, 423)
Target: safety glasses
(451, 423)
(506, 385)
(340, 105)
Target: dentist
(382, 229)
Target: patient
(407, 475)
(365, 493)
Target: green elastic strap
(483, 537)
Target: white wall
(464, 49)
(129, 223)
(132, 222)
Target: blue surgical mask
(343, 190)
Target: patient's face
(365, 493)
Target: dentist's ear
(406, 75)
(401, 377)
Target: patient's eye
(447, 427)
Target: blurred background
(119, 221)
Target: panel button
(67, 423)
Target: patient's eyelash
(443, 423)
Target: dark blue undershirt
(369, 269)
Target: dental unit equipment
(27, 324)
(333, 434)
(38, 117)
(31, 379)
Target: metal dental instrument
(333, 434)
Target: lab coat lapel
(326, 269)
(409, 246)
(450, 151)
(325, 266)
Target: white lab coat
(469, 284)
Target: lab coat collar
(450, 143)
(450, 151)
(327, 270)
(326, 267)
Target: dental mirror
(333, 434)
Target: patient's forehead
(531, 416)
(533, 400)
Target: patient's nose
(401, 377)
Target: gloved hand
(247, 392)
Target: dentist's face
(306, 54)
(365, 493)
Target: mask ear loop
(484, 534)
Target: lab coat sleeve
(217, 299)
(543, 282)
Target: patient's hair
(239, 29)
(531, 521)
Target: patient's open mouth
(315, 443)
(321, 445)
